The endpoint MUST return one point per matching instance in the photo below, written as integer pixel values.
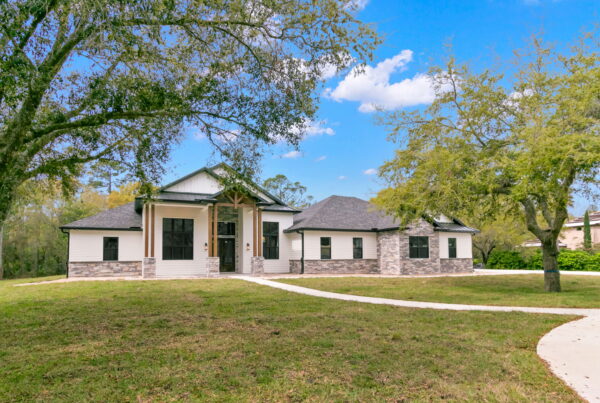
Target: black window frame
(325, 248)
(110, 253)
(357, 250)
(418, 247)
(178, 239)
(270, 240)
(451, 248)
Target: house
(572, 232)
(193, 227)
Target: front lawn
(510, 290)
(229, 340)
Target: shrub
(506, 259)
(568, 260)
(573, 260)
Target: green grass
(228, 340)
(511, 290)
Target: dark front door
(227, 254)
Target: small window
(418, 247)
(325, 248)
(226, 228)
(270, 240)
(357, 248)
(111, 249)
(452, 248)
(178, 239)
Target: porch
(194, 239)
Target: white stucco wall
(285, 220)
(182, 268)
(87, 245)
(464, 249)
(341, 244)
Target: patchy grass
(510, 290)
(228, 340)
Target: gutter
(68, 247)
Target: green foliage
(587, 232)
(568, 260)
(499, 145)
(33, 243)
(505, 259)
(292, 193)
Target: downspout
(302, 254)
(68, 247)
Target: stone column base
(213, 264)
(149, 267)
(257, 265)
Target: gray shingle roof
(119, 218)
(344, 213)
(184, 197)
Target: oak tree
(521, 145)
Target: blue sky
(346, 145)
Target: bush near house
(568, 260)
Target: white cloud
(370, 171)
(292, 154)
(357, 5)
(372, 87)
(342, 177)
(321, 158)
(311, 128)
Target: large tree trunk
(550, 260)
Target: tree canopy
(292, 193)
(119, 80)
(490, 143)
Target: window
(111, 248)
(178, 239)
(225, 228)
(325, 248)
(357, 248)
(270, 240)
(451, 248)
(418, 247)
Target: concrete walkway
(571, 350)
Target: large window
(325, 248)
(418, 247)
(178, 239)
(451, 248)
(270, 240)
(110, 248)
(357, 249)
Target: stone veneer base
(336, 266)
(105, 269)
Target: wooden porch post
(215, 230)
(152, 224)
(260, 234)
(210, 228)
(254, 232)
(146, 227)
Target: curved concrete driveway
(571, 350)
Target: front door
(226, 249)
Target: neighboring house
(194, 228)
(572, 233)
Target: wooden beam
(260, 234)
(153, 208)
(210, 229)
(146, 228)
(254, 232)
(216, 231)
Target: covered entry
(234, 226)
